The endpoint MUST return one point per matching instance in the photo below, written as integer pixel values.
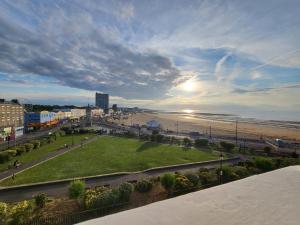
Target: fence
(76, 217)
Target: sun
(189, 86)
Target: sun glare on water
(188, 110)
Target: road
(60, 189)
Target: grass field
(42, 151)
(108, 155)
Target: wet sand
(219, 125)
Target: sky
(226, 56)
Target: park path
(8, 173)
(60, 188)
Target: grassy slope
(107, 155)
(42, 151)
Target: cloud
(77, 52)
(219, 65)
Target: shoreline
(221, 124)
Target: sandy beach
(220, 125)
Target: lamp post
(221, 164)
(73, 136)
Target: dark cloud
(259, 90)
(79, 54)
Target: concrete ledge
(181, 166)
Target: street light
(73, 136)
(221, 164)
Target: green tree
(227, 146)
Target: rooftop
(265, 199)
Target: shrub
(241, 171)
(28, 147)
(201, 143)
(167, 181)
(107, 198)
(40, 200)
(227, 146)
(125, 190)
(143, 186)
(20, 149)
(264, 164)
(182, 184)
(208, 177)
(3, 212)
(11, 152)
(76, 189)
(20, 212)
(228, 174)
(4, 157)
(36, 144)
(193, 178)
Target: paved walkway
(60, 188)
(51, 155)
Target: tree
(187, 142)
(267, 150)
(227, 146)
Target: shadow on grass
(146, 145)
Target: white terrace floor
(268, 199)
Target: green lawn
(108, 155)
(42, 151)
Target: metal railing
(70, 219)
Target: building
(88, 113)
(11, 120)
(266, 199)
(114, 107)
(77, 114)
(102, 101)
(153, 124)
(34, 120)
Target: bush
(228, 174)
(3, 212)
(76, 189)
(28, 147)
(4, 157)
(167, 181)
(193, 178)
(107, 198)
(11, 152)
(208, 177)
(267, 150)
(125, 190)
(241, 171)
(36, 144)
(264, 164)
(20, 212)
(20, 149)
(201, 143)
(182, 184)
(143, 186)
(227, 146)
(40, 200)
